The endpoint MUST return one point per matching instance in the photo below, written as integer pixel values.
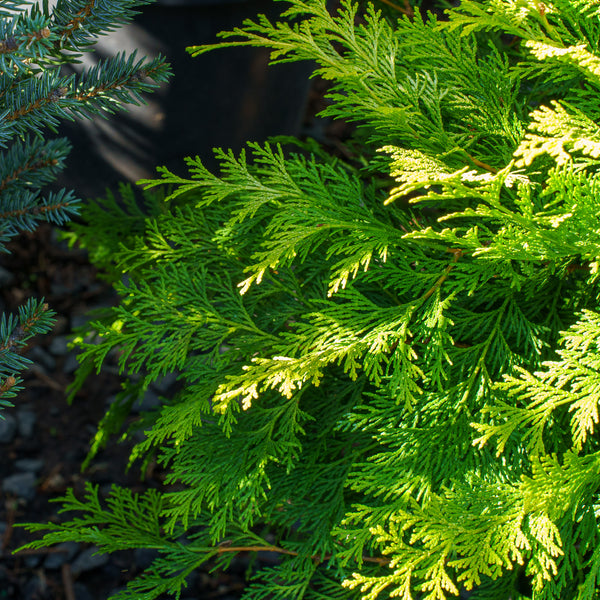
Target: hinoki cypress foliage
(388, 364)
(36, 39)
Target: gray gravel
(8, 428)
(32, 465)
(64, 553)
(88, 560)
(26, 419)
(21, 485)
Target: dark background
(221, 99)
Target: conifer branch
(8, 45)
(139, 75)
(541, 10)
(13, 44)
(77, 21)
(25, 329)
(37, 211)
(53, 96)
(34, 97)
(33, 164)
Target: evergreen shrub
(388, 363)
(36, 40)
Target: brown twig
(77, 21)
(46, 380)
(457, 254)
(481, 164)
(11, 511)
(7, 384)
(224, 548)
(67, 580)
(50, 480)
(407, 10)
(35, 551)
(35, 211)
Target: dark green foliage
(35, 40)
(389, 365)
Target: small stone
(71, 364)
(239, 564)
(143, 557)
(163, 385)
(42, 358)
(58, 240)
(61, 324)
(6, 277)
(8, 428)
(21, 485)
(32, 465)
(59, 346)
(81, 592)
(60, 289)
(79, 320)
(270, 558)
(110, 572)
(8, 584)
(63, 553)
(32, 561)
(148, 402)
(35, 588)
(88, 560)
(26, 421)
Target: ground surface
(43, 441)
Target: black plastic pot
(223, 99)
